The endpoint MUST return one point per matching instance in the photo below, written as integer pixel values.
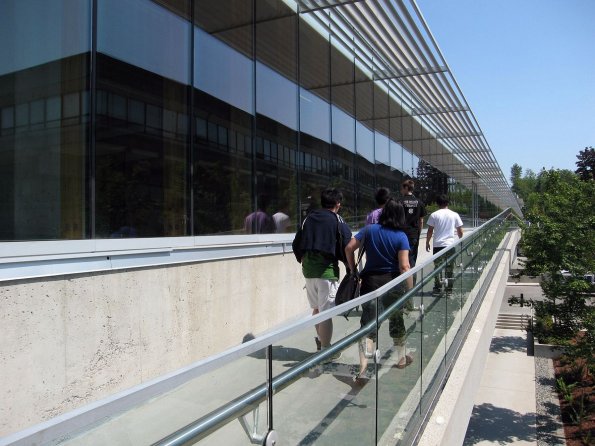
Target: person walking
(415, 212)
(319, 246)
(442, 225)
(387, 256)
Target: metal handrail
(238, 407)
(92, 413)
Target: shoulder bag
(350, 285)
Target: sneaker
(318, 344)
(436, 291)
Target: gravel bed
(550, 431)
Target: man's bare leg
(324, 330)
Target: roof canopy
(392, 44)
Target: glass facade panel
(140, 151)
(223, 98)
(32, 32)
(182, 117)
(365, 178)
(146, 35)
(408, 166)
(342, 79)
(315, 111)
(276, 120)
(223, 71)
(43, 133)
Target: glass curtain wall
(395, 126)
(364, 136)
(45, 51)
(142, 118)
(276, 120)
(384, 177)
(343, 120)
(223, 113)
(159, 118)
(314, 111)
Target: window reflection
(27, 39)
(223, 110)
(145, 34)
(364, 142)
(188, 149)
(276, 62)
(222, 71)
(43, 131)
(141, 123)
(381, 148)
(314, 116)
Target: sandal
(360, 381)
(404, 362)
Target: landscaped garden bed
(576, 390)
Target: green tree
(516, 173)
(525, 185)
(585, 166)
(560, 236)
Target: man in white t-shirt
(442, 224)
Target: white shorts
(321, 293)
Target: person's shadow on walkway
(507, 344)
(499, 425)
(280, 353)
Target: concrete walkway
(505, 404)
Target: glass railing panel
(325, 405)
(483, 257)
(454, 307)
(432, 330)
(457, 307)
(458, 288)
(399, 371)
(315, 399)
(468, 275)
(293, 350)
(159, 417)
(476, 264)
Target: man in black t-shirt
(415, 212)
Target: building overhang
(392, 46)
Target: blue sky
(527, 69)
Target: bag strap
(339, 239)
(362, 248)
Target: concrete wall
(70, 340)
